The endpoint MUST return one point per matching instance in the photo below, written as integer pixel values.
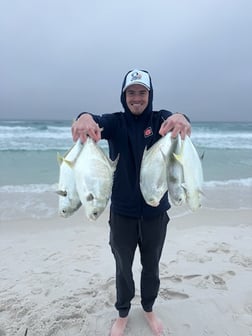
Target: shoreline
(34, 202)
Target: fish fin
(69, 163)
(178, 157)
(202, 193)
(145, 150)
(183, 185)
(61, 193)
(114, 163)
(60, 158)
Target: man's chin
(136, 111)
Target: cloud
(61, 57)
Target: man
(133, 222)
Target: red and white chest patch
(148, 132)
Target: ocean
(29, 168)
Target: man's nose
(137, 96)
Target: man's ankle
(119, 326)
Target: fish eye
(90, 197)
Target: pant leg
(123, 242)
(153, 232)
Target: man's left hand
(177, 124)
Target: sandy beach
(57, 277)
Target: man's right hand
(85, 126)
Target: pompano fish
(94, 173)
(193, 173)
(153, 171)
(69, 200)
(175, 177)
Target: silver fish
(153, 171)
(94, 173)
(193, 173)
(69, 200)
(175, 176)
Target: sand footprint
(216, 281)
(248, 308)
(191, 276)
(52, 256)
(219, 248)
(64, 330)
(110, 282)
(194, 257)
(241, 260)
(173, 278)
(167, 294)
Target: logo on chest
(148, 132)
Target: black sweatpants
(126, 234)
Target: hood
(123, 97)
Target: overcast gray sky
(60, 57)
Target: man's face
(137, 97)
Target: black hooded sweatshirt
(128, 135)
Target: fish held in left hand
(175, 175)
(193, 173)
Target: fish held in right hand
(69, 200)
(94, 172)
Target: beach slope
(57, 277)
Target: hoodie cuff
(81, 115)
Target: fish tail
(114, 163)
(60, 158)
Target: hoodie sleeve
(166, 114)
(108, 122)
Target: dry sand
(57, 277)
